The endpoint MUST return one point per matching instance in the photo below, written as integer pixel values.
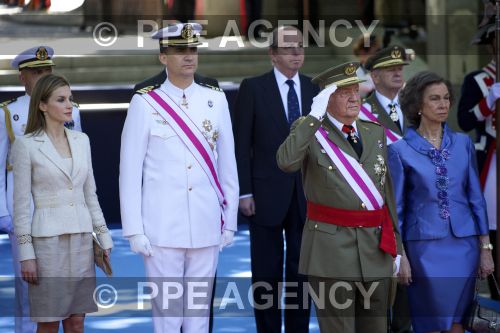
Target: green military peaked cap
(390, 56)
(341, 75)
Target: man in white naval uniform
(32, 64)
(171, 211)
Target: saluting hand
(320, 102)
(28, 271)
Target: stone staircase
(225, 65)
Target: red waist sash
(357, 219)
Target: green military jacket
(327, 250)
(382, 117)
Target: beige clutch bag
(100, 259)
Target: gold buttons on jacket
(315, 226)
(330, 168)
(363, 205)
(311, 124)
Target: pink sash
(191, 136)
(352, 171)
(367, 115)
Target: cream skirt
(66, 276)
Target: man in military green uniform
(350, 237)
(386, 69)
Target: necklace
(429, 138)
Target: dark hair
(44, 88)
(411, 96)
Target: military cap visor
(388, 57)
(40, 56)
(179, 35)
(342, 76)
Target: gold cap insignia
(42, 54)
(396, 54)
(187, 32)
(350, 69)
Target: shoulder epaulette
(147, 89)
(211, 87)
(7, 102)
(369, 121)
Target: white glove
(320, 102)
(493, 95)
(226, 239)
(140, 244)
(6, 224)
(397, 264)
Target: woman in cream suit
(53, 166)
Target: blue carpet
(234, 266)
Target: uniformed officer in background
(178, 179)
(350, 236)
(32, 65)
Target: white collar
(281, 79)
(170, 88)
(384, 101)
(339, 125)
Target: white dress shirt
(339, 125)
(384, 101)
(284, 88)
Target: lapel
(339, 139)
(365, 135)
(382, 116)
(48, 149)
(76, 152)
(276, 107)
(306, 95)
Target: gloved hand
(226, 239)
(320, 102)
(493, 95)
(396, 265)
(6, 224)
(140, 244)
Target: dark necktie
(353, 139)
(394, 115)
(293, 103)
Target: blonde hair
(44, 88)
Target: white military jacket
(18, 110)
(164, 193)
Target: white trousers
(23, 323)
(184, 278)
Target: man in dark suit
(273, 200)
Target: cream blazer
(64, 203)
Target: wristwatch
(486, 246)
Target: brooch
(380, 170)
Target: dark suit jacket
(162, 76)
(260, 128)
